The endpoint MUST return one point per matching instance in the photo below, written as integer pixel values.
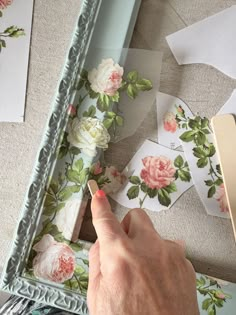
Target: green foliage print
(9, 33)
(215, 296)
(163, 194)
(197, 131)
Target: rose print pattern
(107, 78)
(221, 198)
(170, 123)
(158, 172)
(157, 179)
(9, 32)
(54, 261)
(54, 256)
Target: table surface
(209, 240)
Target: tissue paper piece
(210, 41)
(159, 177)
(170, 119)
(200, 153)
(15, 30)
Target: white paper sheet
(168, 109)
(14, 60)
(210, 41)
(154, 166)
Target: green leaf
(134, 180)
(205, 122)
(206, 303)
(83, 175)
(144, 85)
(49, 200)
(78, 165)
(202, 280)
(218, 169)
(200, 138)
(76, 247)
(212, 150)
(51, 209)
(133, 192)
(152, 193)
(199, 152)
(192, 123)
(79, 270)
(116, 97)
(188, 136)
(163, 197)
(132, 76)
(91, 112)
(179, 161)
(3, 43)
(84, 74)
(119, 120)
(132, 91)
(74, 150)
(171, 188)
(184, 175)
(144, 187)
(103, 102)
(73, 176)
(211, 310)
(219, 181)
(202, 162)
(209, 182)
(107, 122)
(211, 192)
(62, 152)
(110, 114)
(206, 131)
(67, 192)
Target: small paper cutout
(210, 41)
(159, 177)
(170, 113)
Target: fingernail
(100, 194)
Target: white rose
(116, 178)
(107, 78)
(66, 219)
(87, 134)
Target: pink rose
(107, 78)
(158, 171)
(170, 123)
(116, 179)
(220, 295)
(54, 261)
(96, 168)
(5, 3)
(221, 198)
(72, 110)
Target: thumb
(105, 223)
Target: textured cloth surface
(209, 240)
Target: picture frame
(89, 28)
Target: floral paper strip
(92, 120)
(159, 177)
(15, 31)
(170, 113)
(200, 152)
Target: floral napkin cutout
(159, 177)
(195, 136)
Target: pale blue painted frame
(12, 281)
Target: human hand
(133, 271)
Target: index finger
(105, 223)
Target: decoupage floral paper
(159, 176)
(15, 31)
(57, 255)
(200, 152)
(170, 111)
